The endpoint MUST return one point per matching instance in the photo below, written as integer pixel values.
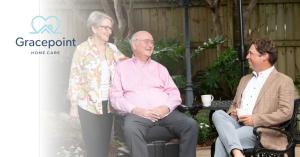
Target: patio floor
(205, 151)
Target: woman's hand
(74, 112)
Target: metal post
(189, 96)
(241, 24)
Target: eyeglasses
(146, 41)
(107, 28)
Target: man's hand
(146, 113)
(246, 120)
(233, 114)
(162, 111)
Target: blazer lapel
(246, 82)
(265, 87)
(243, 86)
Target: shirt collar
(263, 73)
(92, 44)
(136, 61)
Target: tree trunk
(121, 15)
(122, 23)
(129, 19)
(247, 14)
(217, 22)
(108, 8)
(214, 6)
(249, 10)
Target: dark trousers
(96, 132)
(182, 126)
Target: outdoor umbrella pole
(241, 24)
(189, 97)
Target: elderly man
(263, 98)
(144, 90)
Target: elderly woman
(90, 78)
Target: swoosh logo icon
(48, 24)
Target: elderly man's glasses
(146, 41)
(107, 28)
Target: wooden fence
(274, 19)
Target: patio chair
(160, 141)
(286, 129)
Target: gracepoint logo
(49, 25)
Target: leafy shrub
(209, 44)
(297, 83)
(221, 78)
(124, 47)
(170, 53)
(180, 82)
(205, 130)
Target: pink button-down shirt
(143, 85)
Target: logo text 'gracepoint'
(45, 43)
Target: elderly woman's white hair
(95, 18)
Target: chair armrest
(193, 110)
(182, 108)
(258, 131)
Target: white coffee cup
(207, 99)
(241, 112)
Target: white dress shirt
(252, 90)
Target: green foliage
(170, 53)
(124, 47)
(180, 82)
(221, 78)
(210, 43)
(297, 83)
(298, 124)
(205, 130)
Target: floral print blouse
(85, 76)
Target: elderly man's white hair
(134, 36)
